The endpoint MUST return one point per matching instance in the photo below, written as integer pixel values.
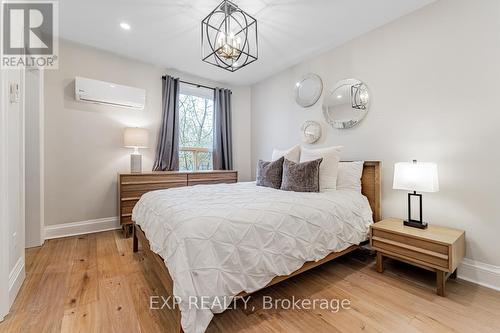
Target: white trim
(6, 235)
(82, 227)
(480, 273)
(4, 226)
(16, 278)
(42, 154)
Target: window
(196, 117)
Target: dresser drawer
(129, 203)
(136, 191)
(214, 181)
(125, 219)
(411, 252)
(128, 206)
(152, 178)
(212, 178)
(151, 186)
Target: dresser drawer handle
(210, 179)
(131, 199)
(145, 182)
(410, 247)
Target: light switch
(14, 92)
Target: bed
(210, 243)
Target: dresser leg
(453, 275)
(380, 262)
(127, 230)
(440, 282)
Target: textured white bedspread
(219, 240)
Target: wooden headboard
(370, 187)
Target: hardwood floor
(94, 283)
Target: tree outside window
(196, 113)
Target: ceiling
(167, 32)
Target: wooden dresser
(131, 186)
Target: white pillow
(349, 176)
(292, 154)
(328, 169)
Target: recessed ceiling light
(125, 26)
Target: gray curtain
(223, 143)
(167, 149)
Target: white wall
(34, 157)
(242, 157)
(83, 142)
(434, 78)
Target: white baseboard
(480, 273)
(80, 228)
(16, 278)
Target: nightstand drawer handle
(413, 248)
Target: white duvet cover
(219, 240)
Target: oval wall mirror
(308, 90)
(346, 104)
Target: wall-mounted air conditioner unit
(100, 92)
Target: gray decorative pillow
(269, 174)
(301, 177)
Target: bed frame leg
(135, 240)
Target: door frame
(4, 225)
(11, 281)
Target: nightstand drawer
(410, 252)
(423, 244)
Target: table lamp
(415, 176)
(134, 137)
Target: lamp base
(135, 163)
(415, 224)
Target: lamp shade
(135, 137)
(416, 176)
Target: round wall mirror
(308, 90)
(310, 131)
(346, 104)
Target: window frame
(195, 151)
(193, 90)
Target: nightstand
(436, 248)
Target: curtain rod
(192, 84)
